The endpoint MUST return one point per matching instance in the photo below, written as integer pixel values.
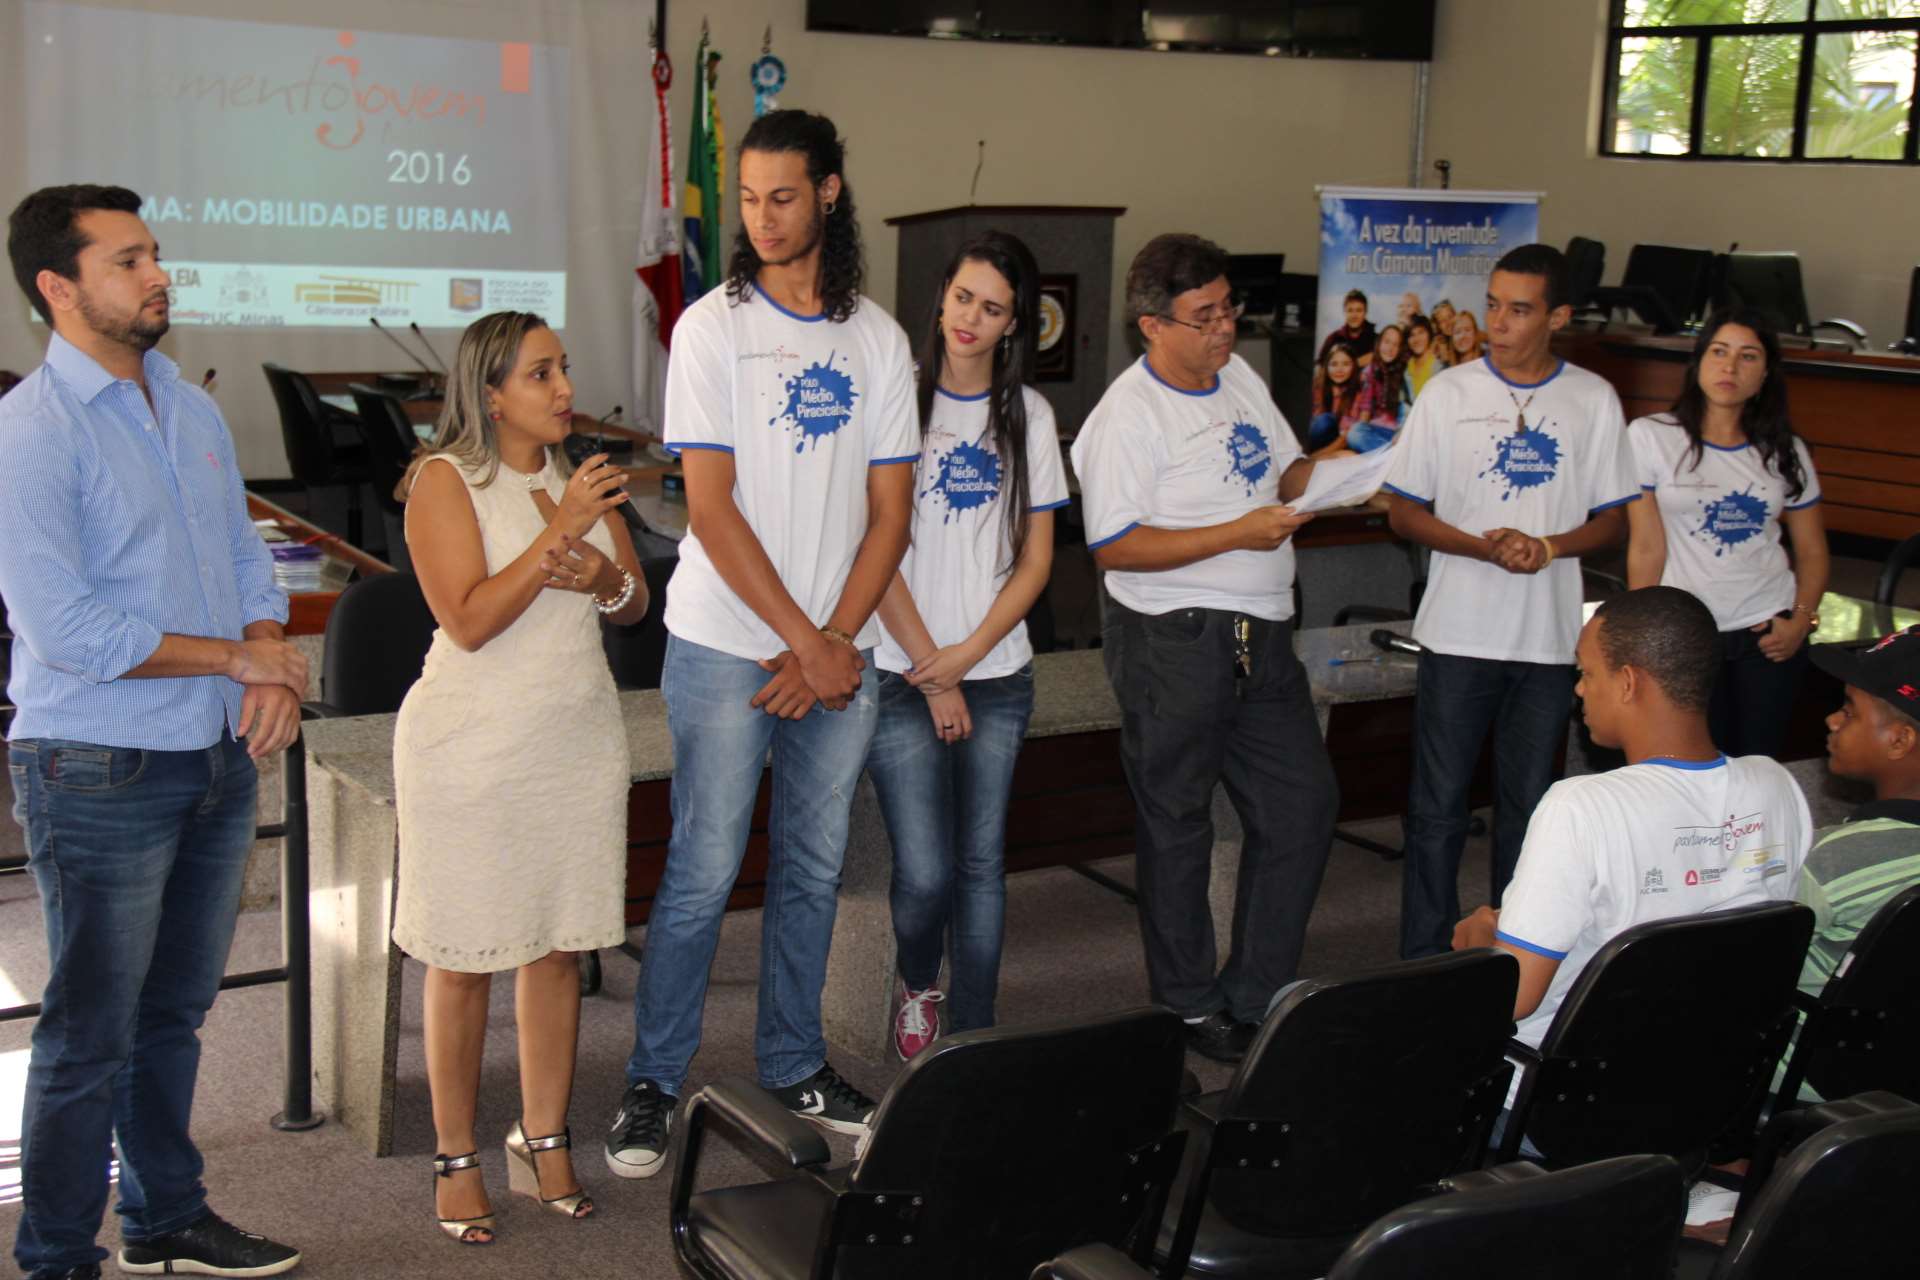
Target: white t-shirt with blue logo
(1649, 841)
(805, 406)
(1152, 454)
(961, 556)
(1722, 520)
(1459, 452)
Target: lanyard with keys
(1242, 650)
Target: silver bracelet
(619, 602)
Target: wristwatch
(835, 633)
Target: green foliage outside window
(1857, 103)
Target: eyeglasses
(1236, 307)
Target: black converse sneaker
(210, 1247)
(641, 1132)
(828, 1101)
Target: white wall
(1516, 102)
(1230, 147)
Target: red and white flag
(658, 297)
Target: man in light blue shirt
(151, 673)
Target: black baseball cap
(1889, 669)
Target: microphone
(207, 381)
(1394, 642)
(579, 448)
(428, 345)
(388, 335)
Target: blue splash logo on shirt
(1248, 458)
(1524, 460)
(819, 402)
(1731, 519)
(968, 477)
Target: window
(1763, 80)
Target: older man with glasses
(1184, 466)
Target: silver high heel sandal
(523, 1176)
(463, 1230)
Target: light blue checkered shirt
(120, 523)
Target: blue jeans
(138, 856)
(946, 812)
(720, 746)
(1456, 702)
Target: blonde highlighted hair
(465, 430)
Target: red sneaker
(917, 1025)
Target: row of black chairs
(1362, 1095)
(328, 446)
(1830, 1193)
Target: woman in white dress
(510, 758)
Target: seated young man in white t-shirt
(1679, 830)
(1509, 468)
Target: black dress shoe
(1220, 1037)
(210, 1247)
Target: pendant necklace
(1520, 410)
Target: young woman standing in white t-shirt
(1726, 472)
(956, 684)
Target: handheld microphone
(388, 335)
(207, 381)
(428, 345)
(579, 448)
(1393, 642)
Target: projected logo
(243, 289)
(465, 293)
(355, 291)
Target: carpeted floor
(1072, 947)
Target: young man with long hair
(790, 403)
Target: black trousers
(1753, 696)
(1189, 721)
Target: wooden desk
(308, 610)
(1858, 412)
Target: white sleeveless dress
(511, 773)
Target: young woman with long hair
(1384, 393)
(956, 688)
(510, 759)
(1336, 386)
(1469, 342)
(1423, 355)
(1724, 472)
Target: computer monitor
(1256, 278)
(1769, 283)
(1679, 275)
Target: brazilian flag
(700, 258)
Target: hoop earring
(828, 208)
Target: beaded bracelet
(619, 602)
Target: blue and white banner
(1403, 273)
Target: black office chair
(1603, 1221)
(1862, 1032)
(637, 653)
(1668, 1037)
(1586, 264)
(1903, 557)
(1360, 1093)
(1909, 343)
(377, 640)
(991, 1153)
(1831, 1193)
(388, 436)
(323, 443)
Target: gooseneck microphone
(207, 380)
(386, 333)
(1394, 642)
(428, 345)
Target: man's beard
(136, 331)
(815, 230)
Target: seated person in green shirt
(1857, 866)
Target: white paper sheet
(1344, 481)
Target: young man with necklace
(1509, 468)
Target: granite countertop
(1071, 695)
